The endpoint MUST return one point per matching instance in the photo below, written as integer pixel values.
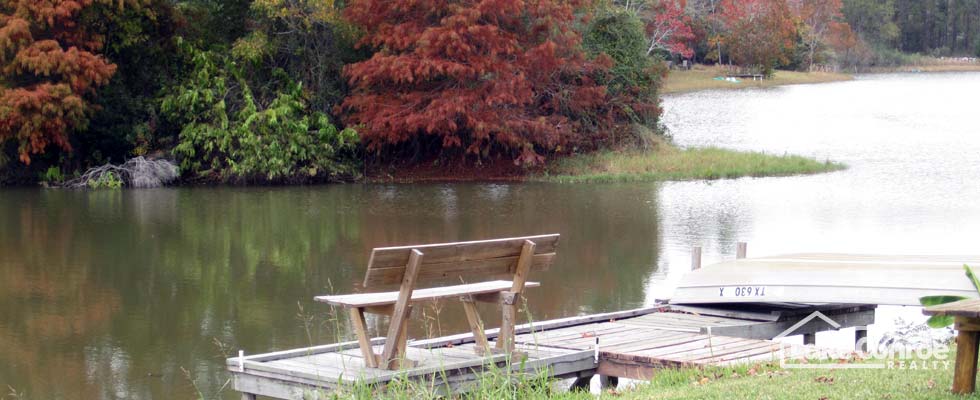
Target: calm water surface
(109, 295)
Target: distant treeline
(289, 91)
(934, 27)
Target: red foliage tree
(488, 76)
(761, 33)
(668, 28)
(48, 64)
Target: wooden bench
(481, 260)
(966, 314)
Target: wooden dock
(630, 344)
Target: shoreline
(667, 162)
(701, 77)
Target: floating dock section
(629, 344)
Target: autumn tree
(668, 28)
(823, 25)
(761, 33)
(488, 77)
(50, 65)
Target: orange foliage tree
(48, 64)
(491, 77)
(761, 33)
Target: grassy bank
(671, 163)
(701, 77)
(974, 67)
(770, 382)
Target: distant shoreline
(702, 77)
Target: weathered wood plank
(275, 355)
(633, 366)
(387, 298)
(696, 356)
(647, 337)
(541, 326)
(277, 388)
(969, 308)
(702, 344)
(643, 345)
(480, 268)
(750, 353)
(385, 257)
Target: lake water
(140, 294)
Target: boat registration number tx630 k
(742, 291)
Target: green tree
(140, 42)
(872, 20)
(308, 40)
(635, 77)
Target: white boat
(828, 278)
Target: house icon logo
(816, 315)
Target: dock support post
(582, 383)
(809, 338)
(695, 258)
(248, 396)
(861, 338)
(606, 381)
(740, 250)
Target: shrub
(226, 135)
(52, 175)
(106, 181)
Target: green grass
(672, 163)
(770, 382)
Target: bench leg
(476, 325)
(403, 343)
(399, 317)
(360, 328)
(965, 373)
(510, 300)
(505, 339)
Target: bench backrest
(480, 259)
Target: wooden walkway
(631, 344)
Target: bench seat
(390, 298)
